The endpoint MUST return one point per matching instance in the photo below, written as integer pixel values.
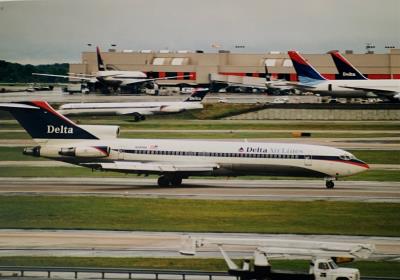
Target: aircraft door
(329, 87)
(307, 160)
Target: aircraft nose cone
(363, 164)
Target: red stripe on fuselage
(350, 162)
(101, 150)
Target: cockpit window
(346, 157)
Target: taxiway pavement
(217, 189)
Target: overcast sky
(47, 31)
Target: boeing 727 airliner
(98, 147)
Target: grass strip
(15, 153)
(367, 268)
(172, 122)
(99, 213)
(378, 156)
(210, 135)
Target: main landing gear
(138, 117)
(166, 181)
(329, 184)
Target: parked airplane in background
(270, 84)
(136, 109)
(97, 147)
(346, 71)
(311, 80)
(111, 78)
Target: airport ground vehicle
(320, 269)
(327, 269)
(97, 147)
(320, 253)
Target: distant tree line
(18, 73)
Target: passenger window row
(210, 154)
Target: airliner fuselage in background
(98, 147)
(311, 80)
(136, 109)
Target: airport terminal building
(202, 68)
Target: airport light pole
(369, 47)
(388, 47)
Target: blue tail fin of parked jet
(305, 72)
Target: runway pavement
(219, 189)
(157, 244)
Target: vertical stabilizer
(305, 71)
(100, 64)
(41, 121)
(345, 69)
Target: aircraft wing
(372, 89)
(78, 77)
(152, 167)
(81, 75)
(137, 111)
(135, 81)
(300, 86)
(247, 85)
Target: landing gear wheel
(142, 118)
(329, 184)
(176, 181)
(137, 117)
(163, 181)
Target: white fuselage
(340, 88)
(128, 108)
(231, 158)
(120, 78)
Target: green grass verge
(210, 135)
(367, 268)
(32, 171)
(207, 135)
(172, 122)
(378, 156)
(316, 217)
(15, 153)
